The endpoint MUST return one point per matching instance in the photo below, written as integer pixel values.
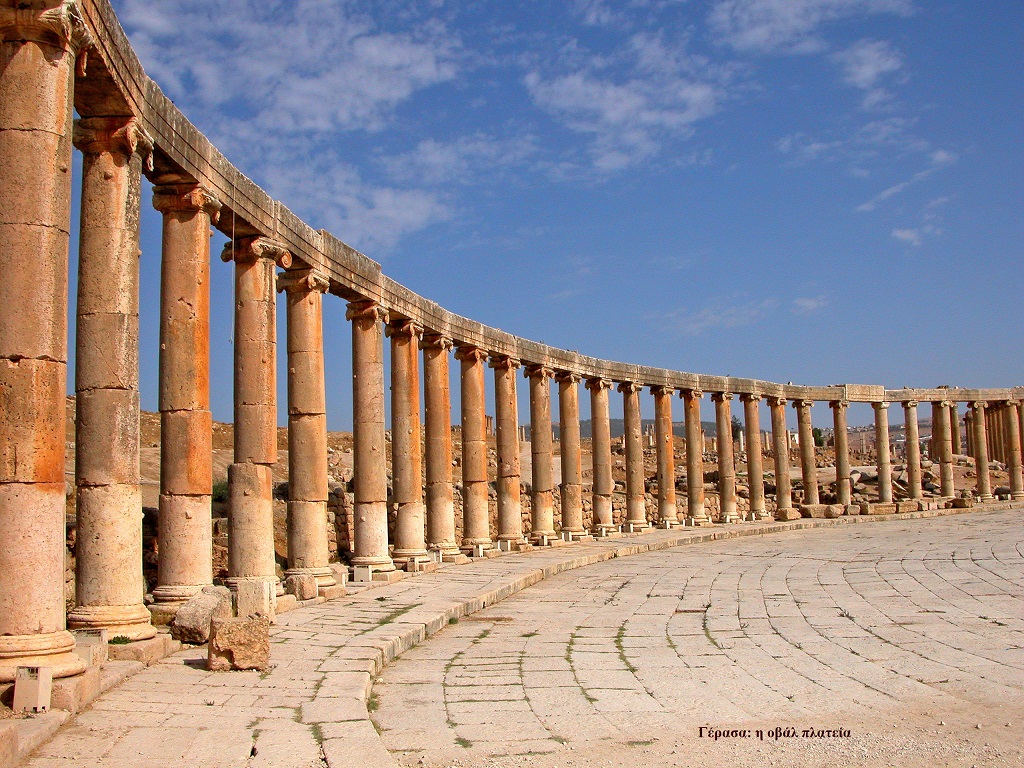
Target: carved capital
(979, 405)
(944, 404)
(803, 404)
(250, 249)
(880, 406)
(567, 377)
(303, 281)
(61, 27)
(688, 394)
(535, 370)
(190, 198)
(839, 405)
(597, 384)
(403, 327)
(631, 387)
(470, 354)
(719, 397)
(366, 311)
(775, 401)
(436, 341)
(910, 403)
(124, 136)
(750, 397)
(504, 363)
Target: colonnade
(43, 50)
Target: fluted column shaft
(636, 496)
(808, 470)
(308, 546)
(406, 446)
(755, 459)
(883, 459)
(108, 558)
(509, 475)
(438, 444)
(369, 458)
(981, 451)
(1014, 449)
(664, 445)
(541, 498)
(184, 534)
(780, 447)
(844, 493)
(601, 449)
(694, 458)
(913, 449)
(38, 49)
(726, 463)
(571, 450)
(476, 525)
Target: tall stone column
(726, 464)
(250, 477)
(844, 492)
(941, 429)
(636, 495)
(954, 423)
(664, 444)
(913, 449)
(108, 558)
(571, 451)
(981, 450)
(476, 523)
(780, 447)
(438, 443)
(808, 470)
(38, 48)
(369, 458)
(406, 447)
(694, 458)
(184, 528)
(601, 449)
(1014, 449)
(541, 495)
(755, 460)
(883, 456)
(506, 418)
(308, 547)
(969, 429)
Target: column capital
(944, 403)
(469, 353)
(536, 370)
(629, 386)
(880, 406)
(252, 249)
(839, 404)
(1011, 403)
(596, 384)
(776, 400)
(911, 403)
(302, 281)
(979, 405)
(688, 394)
(719, 397)
(366, 310)
(750, 397)
(403, 326)
(436, 341)
(567, 377)
(504, 362)
(115, 135)
(189, 197)
(803, 403)
(61, 26)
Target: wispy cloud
(938, 160)
(806, 305)
(866, 64)
(464, 160)
(720, 314)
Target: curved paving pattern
(887, 631)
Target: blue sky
(816, 191)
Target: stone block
(853, 509)
(878, 508)
(78, 691)
(782, 515)
(285, 603)
(32, 689)
(151, 650)
(192, 621)
(239, 644)
(332, 593)
(91, 645)
(256, 596)
(813, 510)
(302, 585)
(833, 511)
(960, 503)
(907, 506)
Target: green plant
(119, 640)
(220, 491)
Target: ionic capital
(303, 281)
(567, 377)
(366, 311)
(598, 384)
(839, 405)
(775, 401)
(687, 394)
(251, 249)
(910, 403)
(944, 404)
(189, 198)
(114, 135)
(884, 406)
(803, 404)
(630, 387)
(719, 397)
(62, 27)
(535, 370)
(403, 327)
(979, 405)
(469, 354)
(1011, 403)
(750, 397)
(436, 341)
(504, 363)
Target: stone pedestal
(726, 464)
(571, 452)
(981, 450)
(780, 447)
(601, 448)
(695, 512)
(808, 470)
(755, 459)
(913, 449)
(636, 504)
(506, 418)
(541, 498)
(476, 527)
(844, 492)
(438, 444)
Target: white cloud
(865, 64)
(805, 305)
(938, 160)
(721, 314)
(912, 236)
(464, 161)
(788, 26)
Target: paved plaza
(907, 633)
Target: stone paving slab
(313, 707)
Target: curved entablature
(117, 84)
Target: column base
(378, 564)
(986, 497)
(635, 527)
(130, 621)
(324, 575)
(402, 556)
(167, 599)
(54, 649)
(760, 514)
(698, 521)
(604, 530)
(1017, 495)
(786, 513)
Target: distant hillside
(619, 427)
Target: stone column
(694, 458)
(250, 477)
(808, 469)
(38, 49)
(476, 522)
(541, 499)
(941, 427)
(883, 459)
(969, 428)
(184, 532)
(664, 444)
(636, 494)
(601, 449)
(913, 449)
(438, 443)
(844, 493)
(369, 458)
(726, 465)
(308, 547)
(981, 450)
(506, 418)
(954, 423)
(755, 461)
(406, 447)
(780, 447)
(108, 558)
(1014, 449)
(571, 450)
